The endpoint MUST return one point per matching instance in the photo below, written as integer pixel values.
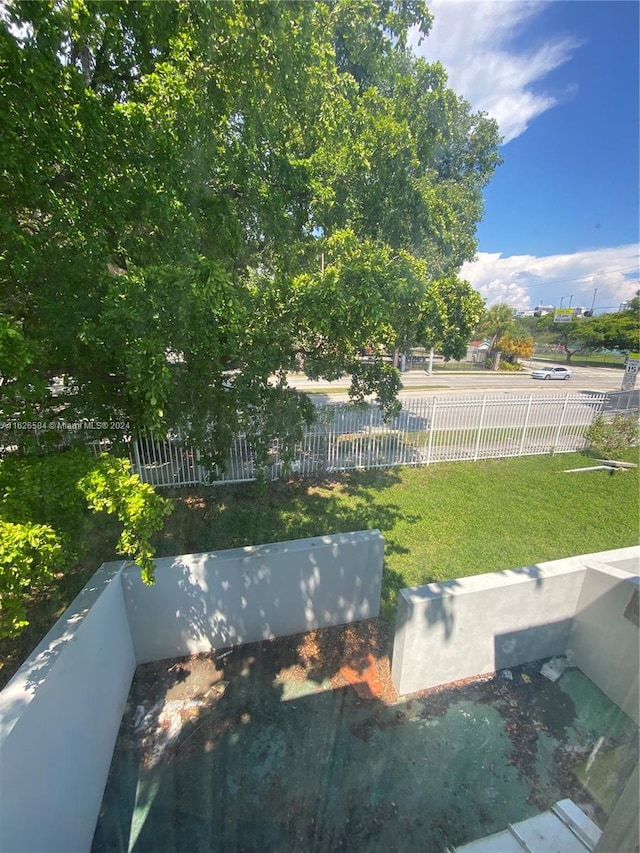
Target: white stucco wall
(59, 719)
(60, 714)
(479, 624)
(603, 642)
(205, 601)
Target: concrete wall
(223, 598)
(604, 642)
(627, 559)
(586, 606)
(475, 625)
(60, 714)
(59, 718)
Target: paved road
(417, 383)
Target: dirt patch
(354, 654)
(170, 701)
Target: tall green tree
(191, 194)
(617, 330)
(173, 174)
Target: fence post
(199, 470)
(480, 425)
(330, 434)
(324, 444)
(526, 425)
(136, 459)
(431, 423)
(561, 424)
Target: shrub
(30, 554)
(608, 436)
(111, 486)
(44, 506)
(44, 490)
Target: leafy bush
(507, 365)
(30, 554)
(44, 490)
(44, 506)
(608, 436)
(112, 487)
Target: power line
(588, 275)
(566, 280)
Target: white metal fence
(427, 430)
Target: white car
(552, 373)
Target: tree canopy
(506, 336)
(195, 192)
(618, 330)
(517, 344)
(496, 322)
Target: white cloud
(474, 42)
(524, 281)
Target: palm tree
(496, 321)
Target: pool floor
(243, 751)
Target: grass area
(453, 366)
(596, 359)
(440, 522)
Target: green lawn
(595, 359)
(439, 522)
(442, 521)
(453, 366)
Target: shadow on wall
(48, 651)
(214, 600)
(545, 640)
(296, 591)
(217, 606)
(475, 625)
(52, 648)
(442, 602)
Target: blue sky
(562, 80)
